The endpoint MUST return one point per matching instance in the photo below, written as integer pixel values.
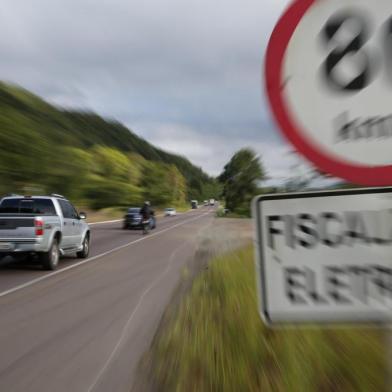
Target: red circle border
(274, 64)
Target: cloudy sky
(184, 74)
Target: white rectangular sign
(325, 256)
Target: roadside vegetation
(214, 340)
(105, 214)
(222, 212)
(95, 162)
(240, 180)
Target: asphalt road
(86, 326)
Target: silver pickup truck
(48, 226)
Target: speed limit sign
(329, 84)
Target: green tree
(240, 179)
(105, 193)
(83, 156)
(163, 185)
(212, 190)
(67, 171)
(111, 164)
(155, 185)
(177, 185)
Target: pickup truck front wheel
(83, 254)
(50, 260)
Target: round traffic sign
(329, 83)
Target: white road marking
(104, 222)
(44, 277)
(119, 220)
(126, 326)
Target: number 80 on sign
(329, 84)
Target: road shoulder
(224, 236)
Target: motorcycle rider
(146, 213)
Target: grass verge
(215, 341)
(220, 213)
(105, 214)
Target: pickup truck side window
(75, 214)
(66, 209)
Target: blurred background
(93, 161)
(111, 103)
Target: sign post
(327, 257)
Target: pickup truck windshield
(27, 206)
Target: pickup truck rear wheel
(83, 254)
(50, 260)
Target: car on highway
(170, 212)
(47, 226)
(134, 220)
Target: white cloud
(212, 152)
(186, 75)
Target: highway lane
(104, 238)
(86, 328)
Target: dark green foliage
(84, 156)
(163, 184)
(104, 193)
(240, 179)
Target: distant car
(206, 203)
(194, 204)
(134, 220)
(170, 212)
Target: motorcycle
(149, 223)
(146, 226)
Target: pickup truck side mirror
(82, 215)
